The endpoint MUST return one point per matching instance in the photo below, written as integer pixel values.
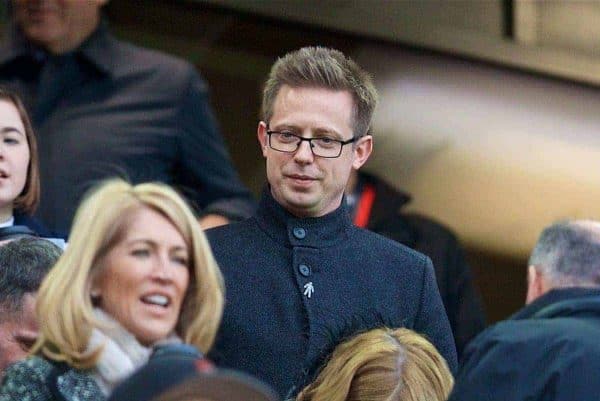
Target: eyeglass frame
(310, 144)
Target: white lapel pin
(309, 289)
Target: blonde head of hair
(382, 365)
(64, 305)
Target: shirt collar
(97, 49)
(8, 223)
(313, 232)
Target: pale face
(58, 25)
(14, 157)
(17, 333)
(304, 184)
(143, 279)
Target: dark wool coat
(457, 289)
(293, 285)
(29, 380)
(550, 351)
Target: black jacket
(459, 294)
(547, 351)
(292, 285)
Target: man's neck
(75, 39)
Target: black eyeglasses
(285, 141)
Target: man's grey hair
(568, 254)
(321, 67)
(23, 265)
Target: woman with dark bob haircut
(19, 165)
(138, 273)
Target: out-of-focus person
(382, 365)
(138, 272)
(19, 168)
(377, 206)
(101, 108)
(23, 264)
(299, 269)
(220, 386)
(548, 350)
(181, 373)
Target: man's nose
(304, 153)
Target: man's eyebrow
(6, 130)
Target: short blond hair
(382, 365)
(321, 67)
(64, 305)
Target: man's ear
(362, 150)
(261, 134)
(536, 285)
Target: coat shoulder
(232, 235)
(26, 380)
(381, 245)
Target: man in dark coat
(549, 350)
(102, 108)
(299, 272)
(377, 206)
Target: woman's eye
(140, 252)
(10, 141)
(182, 260)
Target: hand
(213, 220)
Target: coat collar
(313, 232)
(562, 302)
(98, 49)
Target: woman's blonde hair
(382, 365)
(64, 305)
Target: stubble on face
(308, 185)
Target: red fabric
(365, 204)
(204, 365)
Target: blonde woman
(382, 365)
(138, 272)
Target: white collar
(8, 223)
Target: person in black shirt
(101, 107)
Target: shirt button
(304, 270)
(299, 232)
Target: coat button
(299, 232)
(304, 270)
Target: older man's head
(23, 264)
(567, 254)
